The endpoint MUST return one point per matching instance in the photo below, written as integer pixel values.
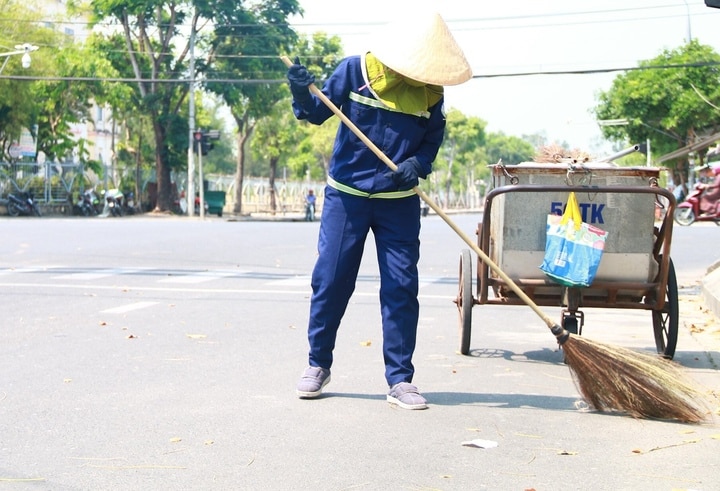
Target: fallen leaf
(715, 437)
(365, 343)
(67, 380)
(209, 442)
(565, 452)
(637, 450)
(103, 323)
(196, 336)
(131, 336)
(175, 439)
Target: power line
(259, 81)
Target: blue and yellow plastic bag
(573, 249)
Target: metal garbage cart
(635, 272)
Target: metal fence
(54, 184)
(49, 183)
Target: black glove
(407, 174)
(300, 80)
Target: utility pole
(191, 125)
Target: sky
(503, 39)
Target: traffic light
(205, 144)
(203, 141)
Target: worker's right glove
(300, 81)
(407, 174)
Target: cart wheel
(465, 300)
(665, 321)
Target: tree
(272, 142)
(508, 149)
(156, 47)
(64, 102)
(46, 108)
(665, 100)
(259, 34)
(463, 137)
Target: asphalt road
(162, 353)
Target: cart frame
(659, 295)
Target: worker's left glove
(300, 81)
(407, 174)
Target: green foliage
(508, 149)
(665, 100)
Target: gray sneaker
(406, 396)
(312, 382)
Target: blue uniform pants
(346, 221)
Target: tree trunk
(273, 194)
(243, 134)
(239, 174)
(164, 186)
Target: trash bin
(518, 220)
(215, 201)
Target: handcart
(635, 272)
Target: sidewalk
(710, 306)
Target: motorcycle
(22, 204)
(197, 205)
(129, 205)
(113, 203)
(688, 212)
(88, 204)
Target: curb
(710, 288)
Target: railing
(53, 184)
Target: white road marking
(94, 275)
(128, 308)
(237, 291)
(296, 281)
(37, 269)
(197, 277)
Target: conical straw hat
(423, 49)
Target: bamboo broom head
(556, 154)
(612, 378)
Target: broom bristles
(612, 378)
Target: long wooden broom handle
(379, 153)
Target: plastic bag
(573, 249)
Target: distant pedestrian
(310, 200)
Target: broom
(610, 378)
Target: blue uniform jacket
(398, 135)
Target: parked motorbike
(688, 212)
(128, 205)
(113, 203)
(89, 204)
(22, 204)
(197, 205)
